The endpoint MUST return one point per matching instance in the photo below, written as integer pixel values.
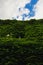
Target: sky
(21, 9)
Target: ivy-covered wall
(21, 42)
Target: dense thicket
(21, 42)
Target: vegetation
(21, 42)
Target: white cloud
(39, 10)
(10, 8)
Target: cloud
(18, 9)
(30, 7)
(10, 8)
(39, 10)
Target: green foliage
(18, 54)
(21, 42)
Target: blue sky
(30, 6)
(21, 9)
